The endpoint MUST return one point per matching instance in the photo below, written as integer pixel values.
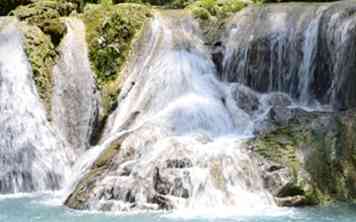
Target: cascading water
(300, 49)
(74, 102)
(29, 145)
(186, 150)
(177, 138)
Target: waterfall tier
(185, 129)
(184, 149)
(32, 155)
(306, 50)
(75, 101)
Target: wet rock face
(245, 98)
(116, 182)
(305, 50)
(310, 160)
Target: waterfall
(305, 50)
(74, 102)
(177, 138)
(32, 155)
(185, 150)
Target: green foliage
(41, 54)
(111, 29)
(106, 2)
(46, 15)
(43, 31)
(201, 13)
(178, 4)
(206, 9)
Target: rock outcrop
(310, 160)
(303, 49)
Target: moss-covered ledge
(319, 151)
(47, 16)
(41, 54)
(43, 30)
(111, 31)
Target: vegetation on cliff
(212, 16)
(43, 30)
(42, 55)
(111, 31)
(319, 151)
(215, 9)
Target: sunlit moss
(111, 31)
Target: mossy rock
(41, 54)
(111, 30)
(43, 30)
(46, 15)
(322, 146)
(212, 16)
(81, 194)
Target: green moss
(180, 4)
(201, 13)
(280, 146)
(107, 155)
(328, 156)
(41, 54)
(220, 9)
(110, 34)
(212, 16)
(43, 30)
(80, 196)
(46, 15)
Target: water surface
(43, 208)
